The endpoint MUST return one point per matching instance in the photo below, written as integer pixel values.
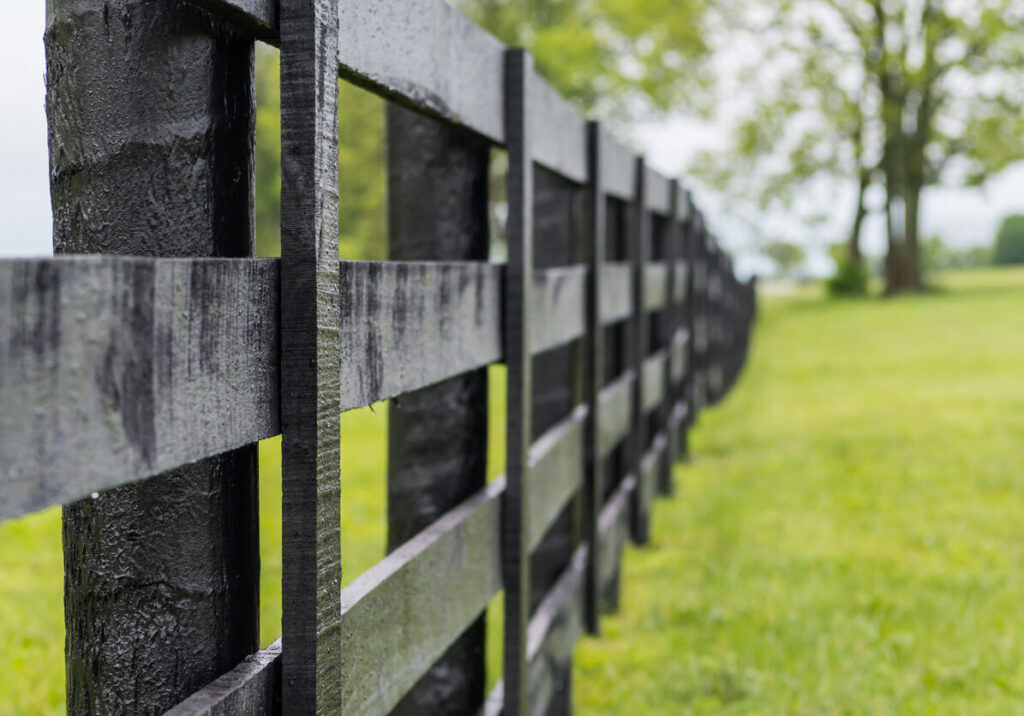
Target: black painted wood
(615, 406)
(437, 436)
(401, 616)
(116, 369)
(151, 158)
(559, 302)
(593, 490)
(518, 287)
(614, 530)
(616, 297)
(252, 687)
(556, 473)
(310, 369)
(637, 346)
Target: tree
(930, 81)
(1009, 247)
(787, 256)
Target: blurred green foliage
(1009, 246)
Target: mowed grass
(849, 537)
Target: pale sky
(962, 217)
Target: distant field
(848, 539)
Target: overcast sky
(962, 217)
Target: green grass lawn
(849, 537)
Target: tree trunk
(853, 251)
(912, 199)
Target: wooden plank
(437, 459)
(252, 687)
(556, 473)
(618, 168)
(616, 297)
(656, 286)
(401, 615)
(615, 413)
(426, 55)
(679, 359)
(679, 281)
(650, 466)
(560, 144)
(614, 531)
(310, 367)
(559, 307)
(518, 287)
(554, 630)
(258, 17)
(407, 325)
(114, 369)
(658, 196)
(653, 382)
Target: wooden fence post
(638, 342)
(593, 489)
(437, 436)
(518, 287)
(148, 157)
(310, 368)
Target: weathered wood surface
(407, 325)
(519, 431)
(638, 341)
(650, 465)
(258, 17)
(654, 388)
(559, 305)
(616, 297)
(150, 112)
(401, 615)
(615, 413)
(310, 352)
(656, 282)
(253, 687)
(437, 436)
(556, 472)
(114, 369)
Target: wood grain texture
(253, 687)
(616, 297)
(401, 615)
(310, 367)
(615, 417)
(150, 112)
(114, 369)
(556, 472)
(518, 288)
(559, 305)
(428, 56)
(407, 325)
(258, 17)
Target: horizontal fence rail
(618, 315)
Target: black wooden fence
(150, 377)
